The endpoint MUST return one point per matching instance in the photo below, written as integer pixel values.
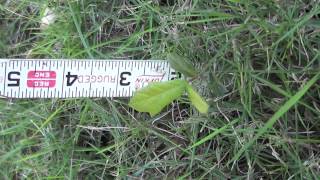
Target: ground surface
(254, 55)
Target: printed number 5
(15, 80)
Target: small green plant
(156, 96)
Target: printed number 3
(123, 78)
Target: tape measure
(74, 78)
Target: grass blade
(283, 109)
(213, 134)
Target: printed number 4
(71, 79)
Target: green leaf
(156, 96)
(197, 100)
(181, 64)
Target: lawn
(258, 65)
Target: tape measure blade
(64, 78)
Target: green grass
(259, 64)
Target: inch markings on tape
(64, 78)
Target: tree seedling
(156, 96)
